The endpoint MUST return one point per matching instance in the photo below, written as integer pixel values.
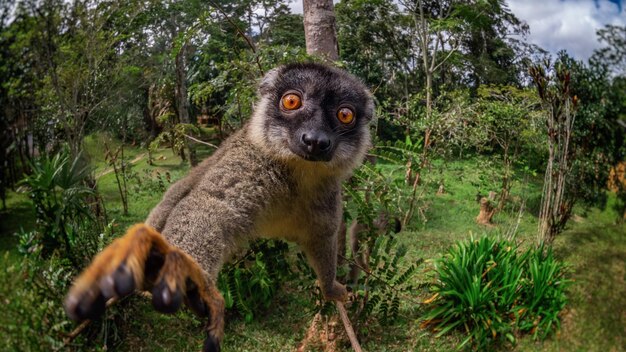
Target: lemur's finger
(215, 326)
(119, 284)
(181, 279)
(194, 299)
(89, 305)
(211, 344)
(203, 297)
(167, 293)
(116, 272)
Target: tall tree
(374, 46)
(553, 87)
(436, 24)
(613, 54)
(488, 44)
(583, 142)
(319, 29)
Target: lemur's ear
(268, 80)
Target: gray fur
(258, 183)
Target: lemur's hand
(337, 292)
(143, 259)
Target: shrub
(151, 182)
(61, 200)
(250, 283)
(493, 292)
(543, 294)
(33, 290)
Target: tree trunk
(429, 65)
(556, 207)
(182, 101)
(149, 118)
(428, 61)
(319, 29)
(429, 109)
(506, 184)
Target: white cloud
(569, 25)
(296, 6)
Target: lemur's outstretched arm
(143, 259)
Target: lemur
(279, 176)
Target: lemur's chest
(299, 214)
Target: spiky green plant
(61, 198)
(491, 291)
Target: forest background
(483, 142)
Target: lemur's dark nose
(316, 143)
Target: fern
(371, 304)
(373, 191)
(404, 277)
(250, 284)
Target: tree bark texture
(319, 29)
(182, 103)
(182, 99)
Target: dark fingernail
(124, 281)
(164, 300)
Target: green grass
(595, 319)
(19, 215)
(593, 246)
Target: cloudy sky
(561, 24)
(568, 24)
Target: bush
(493, 292)
(57, 188)
(33, 290)
(250, 283)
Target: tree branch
(199, 141)
(445, 58)
(348, 326)
(241, 33)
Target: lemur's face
(314, 113)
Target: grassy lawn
(595, 319)
(593, 246)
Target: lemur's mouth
(325, 157)
(310, 157)
(303, 153)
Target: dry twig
(201, 142)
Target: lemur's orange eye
(291, 101)
(345, 115)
